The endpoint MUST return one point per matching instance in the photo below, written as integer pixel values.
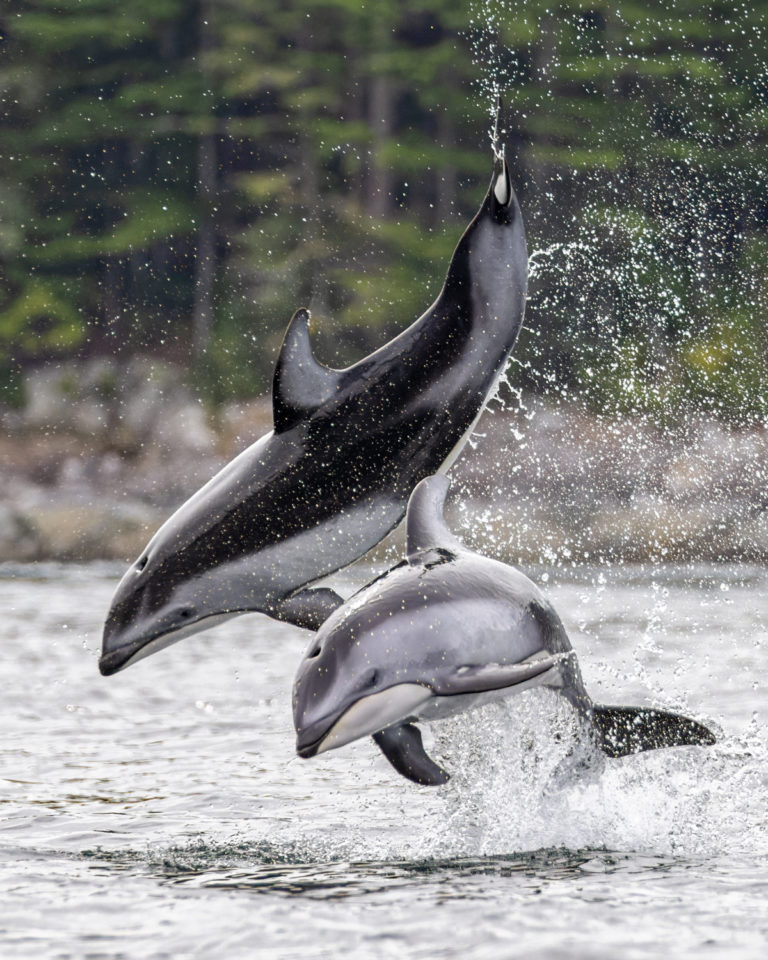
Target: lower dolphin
(441, 632)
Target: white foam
(525, 776)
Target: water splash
(650, 231)
(525, 776)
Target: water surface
(162, 813)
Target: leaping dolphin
(348, 447)
(443, 631)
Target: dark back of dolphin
(348, 447)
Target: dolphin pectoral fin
(403, 747)
(300, 384)
(497, 676)
(625, 730)
(307, 608)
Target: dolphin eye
(373, 678)
(185, 613)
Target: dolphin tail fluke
(403, 747)
(308, 608)
(625, 730)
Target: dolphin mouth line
(110, 663)
(310, 749)
(114, 661)
(367, 715)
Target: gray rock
(18, 540)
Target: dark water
(161, 812)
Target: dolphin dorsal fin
(425, 524)
(301, 384)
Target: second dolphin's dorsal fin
(425, 524)
(301, 384)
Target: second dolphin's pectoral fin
(301, 384)
(625, 730)
(307, 608)
(403, 747)
(425, 524)
(498, 676)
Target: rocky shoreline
(99, 456)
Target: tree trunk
(381, 120)
(544, 70)
(205, 258)
(447, 177)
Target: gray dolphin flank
(441, 632)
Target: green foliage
(178, 177)
(41, 317)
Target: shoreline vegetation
(96, 459)
(176, 179)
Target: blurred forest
(178, 176)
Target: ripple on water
(161, 813)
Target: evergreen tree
(178, 177)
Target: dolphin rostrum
(443, 631)
(348, 446)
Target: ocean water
(162, 812)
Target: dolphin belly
(369, 715)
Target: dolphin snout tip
(306, 748)
(111, 662)
(116, 646)
(312, 735)
(120, 645)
